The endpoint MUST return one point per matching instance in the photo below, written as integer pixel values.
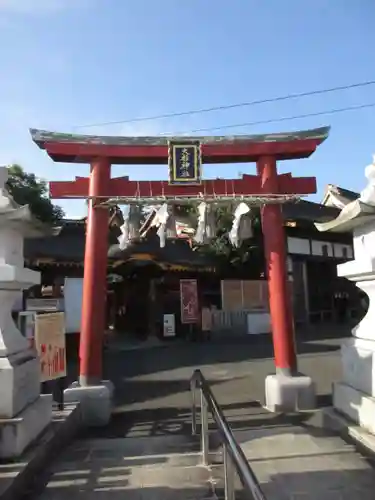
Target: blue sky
(67, 63)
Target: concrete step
(299, 462)
(303, 463)
(147, 468)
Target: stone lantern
(24, 413)
(354, 395)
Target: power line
(273, 120)
(231, 106)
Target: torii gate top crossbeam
(154, 150)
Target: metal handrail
(234, 457)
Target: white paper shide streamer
(242, 225)
(206, 228)
(130, 228)
(165, 222)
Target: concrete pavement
(148, 452)
(152, 384)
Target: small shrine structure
(185, 155)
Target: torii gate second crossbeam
(267, 189)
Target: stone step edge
(34, 463)
(350, 431)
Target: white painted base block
(289, 394)
(355, 404)
(358, 364)
(18, 432)
(96, 402)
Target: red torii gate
(269, 187)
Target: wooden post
(95, 277)
(275, 253)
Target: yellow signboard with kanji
(50, 345)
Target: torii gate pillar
(94, 277)
(94, 394)
(276, 272)
(287, 390)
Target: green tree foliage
(27, 189)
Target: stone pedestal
(24, 414)
(21, 430)
(354, 395)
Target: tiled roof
(67, 244)
(350, 195)
(343, 196)
(309, 211)
(176, 251)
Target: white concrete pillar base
(96, 402)
(288, 394)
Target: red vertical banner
(189, 301)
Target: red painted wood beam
(123, 187)
(94, 281)
(239, 152)
(275, 254)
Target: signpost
(51, 348)
(184, 159)
(44, 305)
(169, 327)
